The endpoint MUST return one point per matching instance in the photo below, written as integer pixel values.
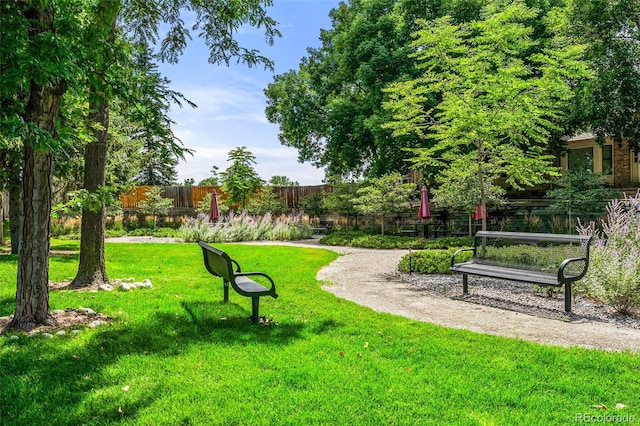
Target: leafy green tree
(340, 200)
(608, 103)
(460, 191)
(313, 205)
(240, 181)
(37, 64)
(46, 48)
(265, 201)
(383, 195)
(154, 203)
(214, 180)
(282, 181)
(330, 109)
(499, 97)
(579, 193)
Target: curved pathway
(366, 277)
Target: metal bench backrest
(217, 262)
(534, 251)
(534, 236)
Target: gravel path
(370, 278)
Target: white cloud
(270, 160)
(231, 101)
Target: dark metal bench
(219, 264)
(543, 259)
(323, 226)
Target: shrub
(366, 240)
(613, 276)
(65, 226)
(430, 261)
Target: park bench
(219, 264)
(323, 226)
(543, 259)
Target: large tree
(218, 23)
(500, 96)
(608, 104)
(240, 180)
(384, 195)
(39, 65)
(330, 109)
(36, 54)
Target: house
(619, 166)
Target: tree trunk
(483, 200)
(41, 111)
(32, 296)
(92, 270)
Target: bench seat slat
(537, 277)
(250, 286)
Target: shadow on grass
(53, 381)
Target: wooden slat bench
(537, 258)
(219, 264)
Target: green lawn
(176, 355)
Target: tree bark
(42, 109)
(32, 296)
(91, 270)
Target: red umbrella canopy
(425, 210)
(214, 213)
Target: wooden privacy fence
(291, 195)
(190, 196)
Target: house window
(607, 160)
(581, 159)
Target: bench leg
(226, 292)
(567, 297)
(255, 303)
(465, 284)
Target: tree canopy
(240, 180)
(607, 105)
(330, 109)
(500, 97)
(52, 49)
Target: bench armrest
(453, 258)
(566, 262)
(272, 290)
(237, 266)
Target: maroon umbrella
(214, 213)
(425, 211)
(480, 212)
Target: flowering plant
(613, 276)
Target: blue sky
(231, 101)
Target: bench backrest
(534, 251)
(217, 262)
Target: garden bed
(519, 297)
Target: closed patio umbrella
(480, 212)
(214, 213)
(425, 210)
